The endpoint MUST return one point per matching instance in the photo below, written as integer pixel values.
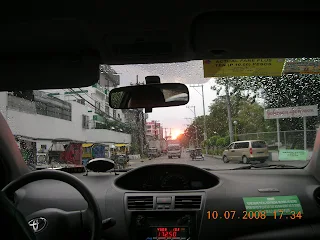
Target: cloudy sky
(189, 73)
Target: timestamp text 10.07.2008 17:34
(253, 215)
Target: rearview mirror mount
(149, 96)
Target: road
(209, 162)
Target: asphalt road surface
(209, 162)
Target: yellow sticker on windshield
(243, 67)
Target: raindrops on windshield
(221, 110)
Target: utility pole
(140, 124)
(229, 111)
(165, 131)
(143, 135)
(204, 113)
(192, 139)
(195, 117)
(155, 129)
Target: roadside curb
(213, 156)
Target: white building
(95, 98)
(64, 114)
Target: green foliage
(285, 91)
(226, 140)
(213, 140)
(116, 126)
(134, 149)
(215, 152)
(249, 117)
(289, 91)
(221, 142)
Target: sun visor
(258, 34)
(49, 71)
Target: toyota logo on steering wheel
(38, 224)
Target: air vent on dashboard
(140, 202)
(187, 202)
(316, 195)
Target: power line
(95, 108)
(96, 100)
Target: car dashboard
(168, 177)
(180, 201)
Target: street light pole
(229, 111)
(204, 116)
(235, 130)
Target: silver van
(246, 151)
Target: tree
(184, 140)
(233, 84)
(285, 91)
(288, 90)
(213, 140)
(249, 116)
(221, 142)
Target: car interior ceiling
(62, 45)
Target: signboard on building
(291, 112)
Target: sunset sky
(176, 118)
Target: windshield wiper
(216, 169)
(268, 166)
(257, 166)
(120, 170)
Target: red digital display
(170, 232)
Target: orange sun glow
(176, 133)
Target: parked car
(246, 151)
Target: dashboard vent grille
(316, 196)
(140, 202)
(187, 202)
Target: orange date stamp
(251, 215)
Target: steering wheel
(53, 223)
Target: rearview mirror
(149, 96)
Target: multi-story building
(96, 99)
(45, 118)
(154, 130)
(78, 114)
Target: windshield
(259, 144)
(173, 148)
(240, 112)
